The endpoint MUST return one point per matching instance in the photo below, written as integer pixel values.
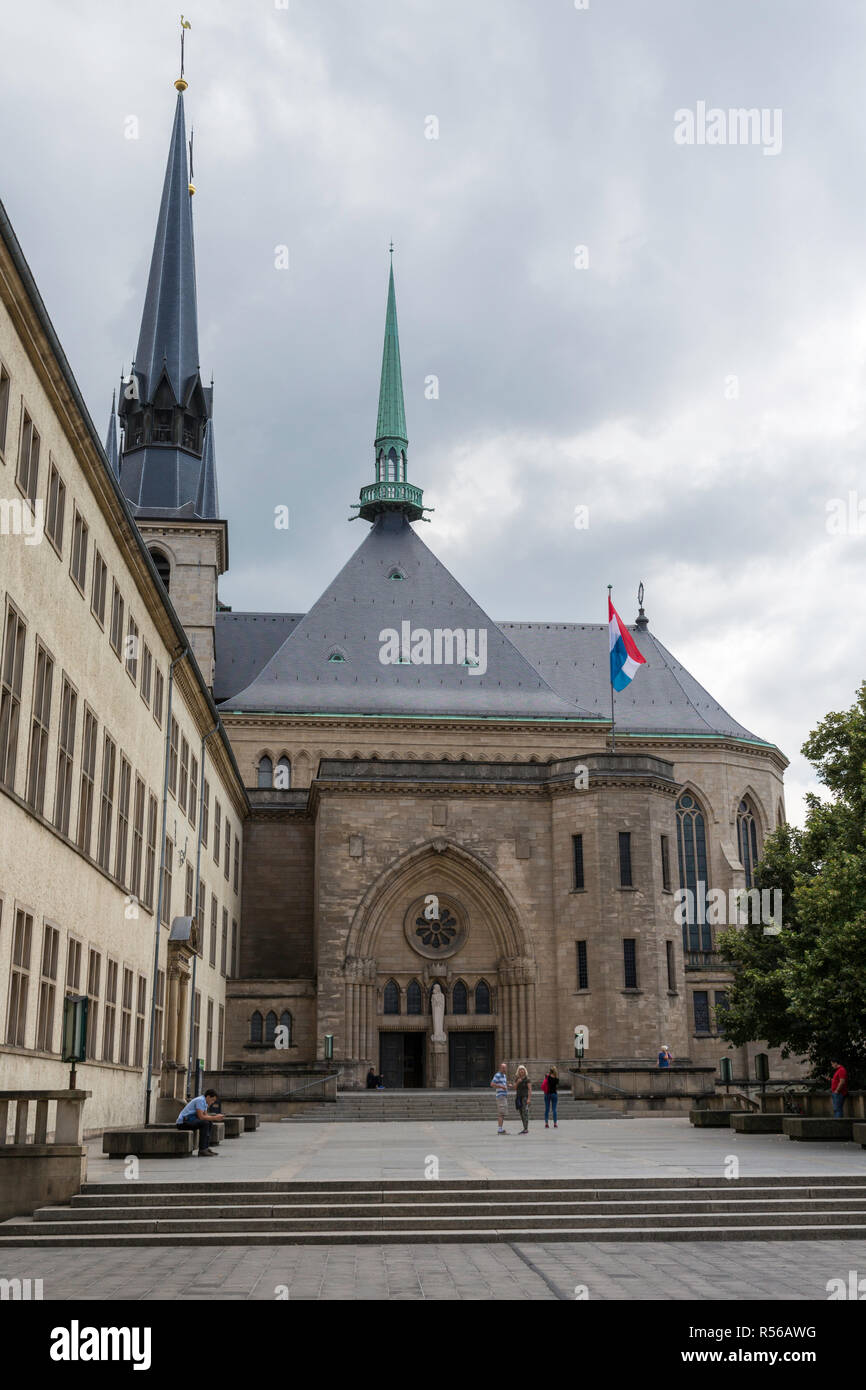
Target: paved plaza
(642, 1147)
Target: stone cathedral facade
(431, 796)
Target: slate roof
(663, 698)
(362, 602)
(279, 662)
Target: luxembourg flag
(624, 655)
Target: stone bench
(217, 1130)
(148, 1143)
(712, 1119)
(800, 1127)
(251, 1122)
(858, 1133)
(749, 1123)
(234, 1126)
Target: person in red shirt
(838, 1089)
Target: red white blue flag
(624, 655)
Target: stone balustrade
(45, 1163)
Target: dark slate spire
(167, 463)
(169, 324)
(111, 438)
(391, 491)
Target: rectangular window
(65, 755)
(165, 916)
(213, 930)
(577, 860)
(158, 689)
(189, 889)
(94, 971)
(157, 1025)
(137, 839)
(27, 476)
(78, 562)
(37, 758)
(109, 1021)
(701, 1004)
(106, 803)
(224, 942)
(208, 1052)
(172, 757)
(116, 635)
(722, 1004)
(220, 1031)
(88, 780)
(672, 974)
(126, 1016)
(228, 851)
(131, 652)
(97, 592)
(123, 791)
(15, 633)
(140, 1007)
(196, 1027)
(146, 674)
(47, 989)
(5, 388)
(666, 865)
(237, 865)
(217, 830)
(150, 851)
(234, 956)
(56, 508)
(582, 969)
(625, 859)
(183, 786)
(73, 966)
(629, 958)
(205, 812)
(19, 979)
(193, 791)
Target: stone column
(439, 1058)
(169, 1024)
(182, 1041)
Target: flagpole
(612, 716)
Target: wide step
(262, 1213)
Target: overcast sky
(699, 385)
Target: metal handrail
(609, 1084)
(319, 1081)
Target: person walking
(523, 1088)
(500, 1086)
(838, 1089)
(550, 1087)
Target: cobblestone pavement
(738, 1270)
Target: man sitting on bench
(195, 1116)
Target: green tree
(805, 989)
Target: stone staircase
(480, 1210)
(441, 1105)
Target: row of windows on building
(457, 998)
(263, 1028)
(117, 1014)
(119, 804)
(268, 775)
(691, 861)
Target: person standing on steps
(838, 1089)
(500, 1086)
(550, 1087)
(524, 1096)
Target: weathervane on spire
(181, 84)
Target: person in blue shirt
(196, 1116)
(665, 1057)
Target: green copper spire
(391, 491)
(391, 424)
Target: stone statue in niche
(437, 1006)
